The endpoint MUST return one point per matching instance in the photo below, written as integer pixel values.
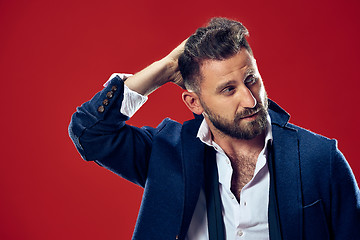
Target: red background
(54, 55)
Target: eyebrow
(250, 71)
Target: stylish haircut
(222, 38)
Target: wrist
(170, 67)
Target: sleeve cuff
(132, 100)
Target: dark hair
(220, 39)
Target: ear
(192, 101)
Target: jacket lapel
(287, 174)
(193, 169)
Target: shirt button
(244, 203)
(240, 233)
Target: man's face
(233, 96)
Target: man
(238, 170)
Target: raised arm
(158, 73)
(98, 127)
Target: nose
(247, 98)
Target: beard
(241, 129)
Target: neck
(237, 147)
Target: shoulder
(313, 149)
(170, 124)
(306, 138)
(309, 136)
(173, 130)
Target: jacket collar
(278, 115)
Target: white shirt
(245, 220)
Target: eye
(250, 80)
(228, 90)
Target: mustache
(249, 111)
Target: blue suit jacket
(317, 193)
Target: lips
(247, 114)
(251, 115)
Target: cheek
(216, 103)
(224, 109)
(230, 109)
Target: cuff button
(114, 88)
(110, 94)
(105, 102)
(101, 109)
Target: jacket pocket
(315, 225)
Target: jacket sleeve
(345, 199)
(100, 134)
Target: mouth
(250, 116)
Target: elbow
(75, 139)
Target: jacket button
(101, 109)
(177, 237)
(110, 94)
(105, 102)
(114, 88)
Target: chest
(243, 170)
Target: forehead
(234, 68)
